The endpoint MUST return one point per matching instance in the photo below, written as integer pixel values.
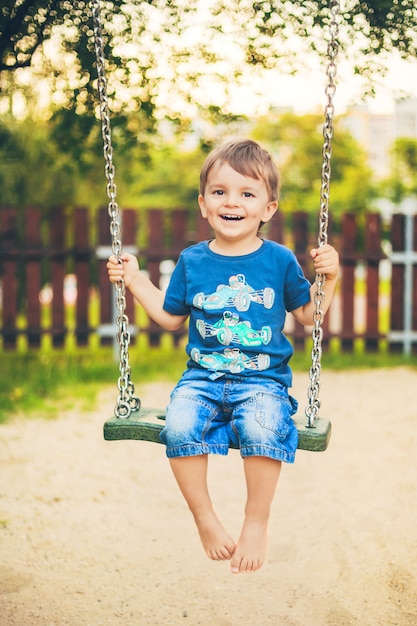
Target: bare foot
(217, 543)
(251, 548)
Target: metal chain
(313, 406)
(127, 400)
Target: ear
(202, 205)
(269, 211)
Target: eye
(218, 192)
(248, 194)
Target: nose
(232, 200)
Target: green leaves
(296, 143)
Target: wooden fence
(52, 269)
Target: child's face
(235, 205)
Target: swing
(130, 420)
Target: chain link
(127, 400)
(313, 406)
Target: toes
(243, 566)
(235, 566)
(220, 555)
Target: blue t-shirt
(237, 307)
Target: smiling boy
(233, 392)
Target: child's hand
(326, 261)
(126, 268)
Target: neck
(238, 248)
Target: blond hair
(249, 159)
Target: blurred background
(182, 79)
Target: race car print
(237, 293)
(232, 360)
(230, 329)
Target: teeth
(235, 218)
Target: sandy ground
(95, 532)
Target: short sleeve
(297, 287)
(175, 297)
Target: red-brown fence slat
(82, 261)
(374, 255)
(155, 254)
(348, 262)
(203, 230)
(275, 228)
(179, 232)
(106, 290)
(397, 279)
(58, 256)
(33, 254)
(10, 256)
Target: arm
(326, 261)
(143, 290)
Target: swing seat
(146, 424)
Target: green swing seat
(147, 423)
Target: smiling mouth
(232, 218)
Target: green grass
(34, 384)
(358, 359)
(46, 384)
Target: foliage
(168, 177)
(402, 183)
(387, 24)
(36, 169)
(405, 155)
(296, 142)
(25, 24)
(169, 180)
(32, 171)
(168, 59)
(161, 54)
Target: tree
(155, 45)
(403, 181)
(168, 59)
(34, 171)
(296, 143)
(405, 151)
(385, 24)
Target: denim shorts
(208, 416)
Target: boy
(235, 290)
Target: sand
(96, 533)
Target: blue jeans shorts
(208, 416)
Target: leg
(191, 475)
(262, 474)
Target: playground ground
(95, 533)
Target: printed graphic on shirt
(237, 293)
(230, 329)
(232, 360)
